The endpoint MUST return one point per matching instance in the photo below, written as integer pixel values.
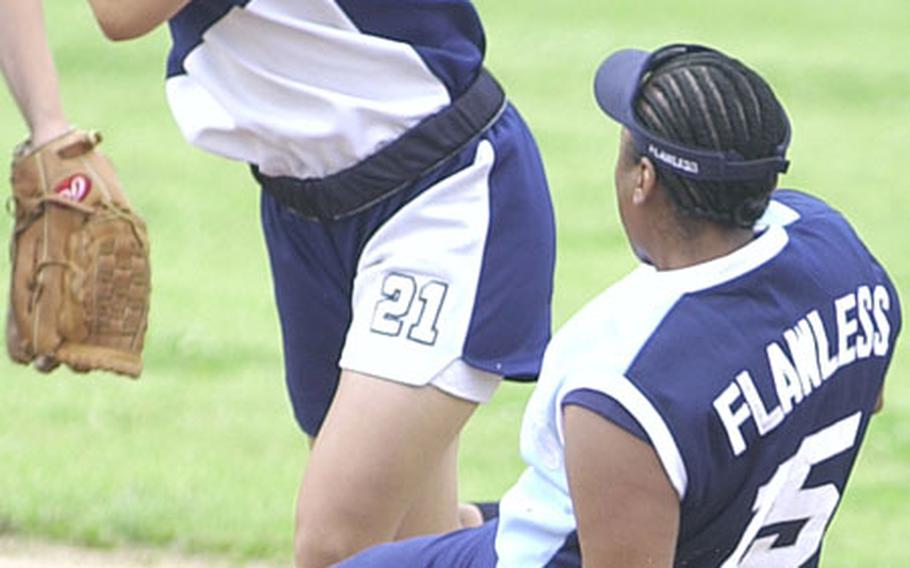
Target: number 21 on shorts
(783, 499)
(398, 311)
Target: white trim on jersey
(297, 89)
(777, 215)
(626, 394)
(715, 272)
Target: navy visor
(616, 87)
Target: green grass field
(202, 453)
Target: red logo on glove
(75, 188)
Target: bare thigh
(435, 506)
(383, 448)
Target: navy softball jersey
(455, 268)
(753, 376)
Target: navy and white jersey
(428, 278)
(306, 88)
(753, 376)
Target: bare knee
(323, 543)
(317, 551)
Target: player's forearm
(29, 71)
(128, 19)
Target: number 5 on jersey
(784, 499)
(397, 310)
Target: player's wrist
(45, 131)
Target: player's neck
(710, 243)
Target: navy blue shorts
(467, 548)
(459, 267)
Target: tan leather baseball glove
(80, 261)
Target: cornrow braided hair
(708, 100)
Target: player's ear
(646, 181)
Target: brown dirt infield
(16, 552)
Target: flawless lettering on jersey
(863, 329)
